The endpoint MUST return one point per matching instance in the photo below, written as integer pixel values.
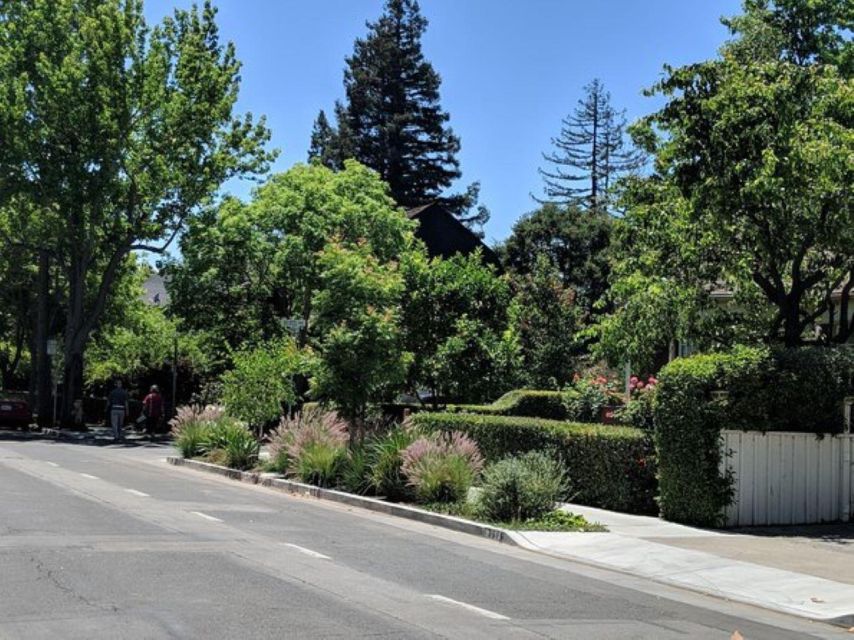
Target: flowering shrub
(190, 426)
(315, 443)
(586, 397)
(639, 412)
(442, 467)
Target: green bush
(746, 388)
(385, 460)
(190, 426)
(639, 411)
(585, 399)
(442, 467)
(521, 402)
(355, 474)
(231, 443)
(607, 466)
(522, 488)
(316, 446)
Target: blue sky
(510, 70)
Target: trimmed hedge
(529, 403)
(607, 466)
(746, 388)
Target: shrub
(229, 442)
(355, 475)
(638, 412)
(190, 426)
(280, 440)
(317, 448)
(585, 399)
(442, 467)
(607, 466)
(522, 488)
(261, 382)
(746, 388)
(521, 402)
(386, 459)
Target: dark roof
(444, 235)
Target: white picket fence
(789, 478)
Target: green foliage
(520, 402)
(607, 466)
(391, 119)
(317, 446)
(150, 111)
(261, 382)
(455, 325)
(557, 520)
(575, 243)
(522, 488)
(441, 467)
(750, 190)
(385, 454)
(190, 426)
(231, 443)
(545, 319)
(356, 471)
(361, 352)
(639, 412)
(585, 399)
(246, 267)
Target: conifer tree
(323, 142)
(392, 120)
(589, 153)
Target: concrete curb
(372, 504)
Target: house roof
(444, 235)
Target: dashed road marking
(205, 516)
(138, 493)
(90, 476)
(486, 613)
(308, 552)
(52, 464)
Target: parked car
(15, 412)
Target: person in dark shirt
(117, 409)
(152, 407)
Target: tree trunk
(42, 369)
(75, 339)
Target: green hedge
(747, 388)
(522, 402)
(608, 466)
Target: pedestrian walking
(117, 409)
(152, 407)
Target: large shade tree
(114, 132)
(751, 193)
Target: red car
(15, 413)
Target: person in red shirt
(152, 407)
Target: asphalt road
(111, 542)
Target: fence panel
(784, 478)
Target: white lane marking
(52, 464)
(484, 612)
(308, 552)
(205, 516)
(90, 476)
(138, 493)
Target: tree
(456, 326)
(545, 318)
(575, 243)
(392, 120)
(261, 384)
(591, 152)
(751, 190)
(248, 267)
(360, 351)
(115, 132)
(323, 140)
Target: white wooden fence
(789, 478)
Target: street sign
(294, 325)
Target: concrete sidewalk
(804, 571)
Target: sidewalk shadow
(835, 532)
(91, 438)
